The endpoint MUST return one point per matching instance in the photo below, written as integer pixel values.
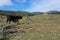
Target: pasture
(38, 27)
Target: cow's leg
(18, 23)
(7, 21)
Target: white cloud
(5, 2)
(44, 5)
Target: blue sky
(30, 5)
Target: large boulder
(9, 30)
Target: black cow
(13, 18)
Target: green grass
(39, 27)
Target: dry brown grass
(40, 27)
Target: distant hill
(49, 12)
(22, 13)
(37, 12)
(53, 12)
(25, 13)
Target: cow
(13, 18)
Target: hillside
(38, 27)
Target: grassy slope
(39, 27)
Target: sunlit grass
(39, 27)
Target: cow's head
(20, 17)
